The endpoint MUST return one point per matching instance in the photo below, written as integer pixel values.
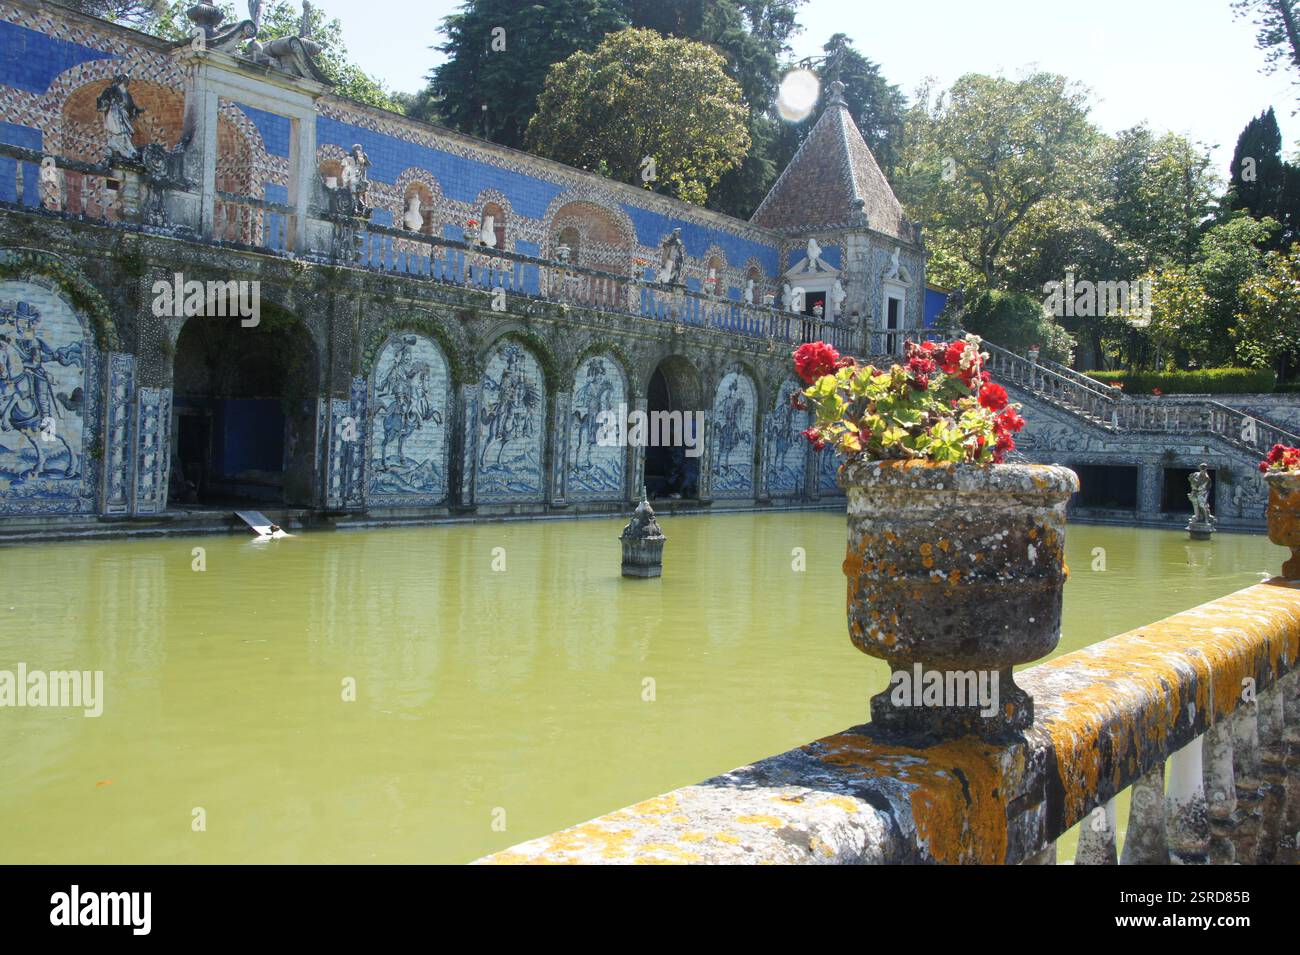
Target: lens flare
(797, 95)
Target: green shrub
(1016, 320)
(1204, 381)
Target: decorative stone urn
(1284, 517)
(643, 542)
(955, 570)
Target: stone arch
(733, 436)
(510, 425)
(410, 422)
(786, 450)
(606, 237)
(97, 73)
(430, 326)
(329, 161)
(596, 464)
(245, 400)
(674, 387)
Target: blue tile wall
(461, 179)
(274, 129)
(30, 60)
(652, 227)
(12, 134)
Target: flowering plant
(939, 405)
(1281, 458)
(470, 223)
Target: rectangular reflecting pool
(433, 694)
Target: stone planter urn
(643, 542)
(955, 574)
(1284, 517)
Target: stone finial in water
(1201, 526)
(643, 542)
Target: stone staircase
(1110, 409)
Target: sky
(1188, 66)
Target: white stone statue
(787, 297)
(488, 233)
(838, 295)
(894, 266)
(119, 111)
(814, 257)
(413, 219)
(749, 292)
(672, 259)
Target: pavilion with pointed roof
(848, 246)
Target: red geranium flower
(993, 396)
(814, 360)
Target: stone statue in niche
(787, 297)
(1199, 481)
(838, 295)
(894, 266)
(672, 259)
(351, 196)
(749, 292)
(119, 111)
(413, 218)
(814, 263)
(487, 234)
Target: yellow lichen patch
(658, 806)
(728, 837)
(957, 792)
(840, 802)
(771, 822)
(692, 837)
(927, 549)
(944, 545)
(954, 576)
(1127, 692)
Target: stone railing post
(1187, 820)
(1146, 841)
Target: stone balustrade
(1110, 408)
(1198, 713)
(123, 195)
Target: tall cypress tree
(1256, 178)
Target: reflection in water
(475, 688)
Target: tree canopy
(606, 110)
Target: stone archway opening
(672, 459)
(244, 401)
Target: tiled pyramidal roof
(833, 182)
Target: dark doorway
(669, 471)
(1109, 487)
(1174, 490)
(245, 405)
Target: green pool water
(508, 682)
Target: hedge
(1205, 381)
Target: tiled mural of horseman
(41, 390)
(733, 436)
(786, 446)
(512, 425)
(596, 468)
(408, 436)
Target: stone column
(1188, 824)
(1150, 474)
(1146, 841)
(635, 458)
(152, 440)
(119, 404)
(464, 495)
(705, 483)
(762, 493)
(560, 449)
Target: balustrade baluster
(1220, 792)
(1146, 840)
(1246, 774)
(1288, 843)
(1272, 772)
(1097, 837)
(1186, 819)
